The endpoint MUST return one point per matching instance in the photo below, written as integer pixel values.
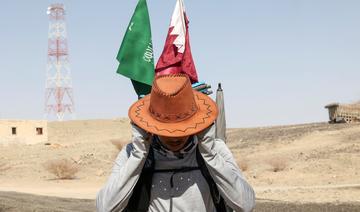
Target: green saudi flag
(136, 53)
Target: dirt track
(19, 202)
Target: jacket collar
(162, 150)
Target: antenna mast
(59, 98)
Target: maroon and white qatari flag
(176, 56)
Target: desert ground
(296, 166)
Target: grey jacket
(190, 191)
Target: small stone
(100, 173)
(76, 159)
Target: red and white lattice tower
(59, 99)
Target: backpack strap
(215, 194)
(140, 198)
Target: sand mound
(322, 161)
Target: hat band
(173, 118)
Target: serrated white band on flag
(179, 26)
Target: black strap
(140, 198)
(182, 169)
(215, 194)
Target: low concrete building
(343, 113)
(23, 131)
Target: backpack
(140, 198)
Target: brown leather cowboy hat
(173, 108)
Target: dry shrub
(118, 143)
(243, 164)
(3, 167)
(277, 164)
(62, 168)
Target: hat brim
(203, 118)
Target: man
(174, 163)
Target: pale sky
(280, 61)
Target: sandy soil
(86, 143)
(321, 162)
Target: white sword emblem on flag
(178, 22)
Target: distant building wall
(65, 132)
(23, 131)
